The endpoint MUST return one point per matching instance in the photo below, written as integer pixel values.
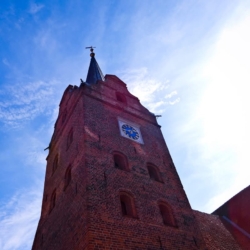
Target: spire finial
(92, 54)
(94, 73)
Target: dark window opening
(167, 215)
(120, 162)
(124, 209)
(195, 242)
(64, 115)
(121, 98)
(70, 138)
(53, 201)
(67, 177)
(154, 173)
(55, 164)
(127, 205)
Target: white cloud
(18, 219)
(33, 152)
(218, 128)
(171, 94)
(175, 101)
(5, 62)
(25, 101)
(34, 8)
(148, 90)
(224, 108)
(45, 40)
(19, 23)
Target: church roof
(94, 73)
(215, 234)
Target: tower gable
(110, 189)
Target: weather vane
(92, 54)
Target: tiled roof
(215, 234)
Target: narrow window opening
(55, 164)
(127, 205)
(64, 115)
(167, 215)
(70, 138)
(124, 209)
(120, 162)
(67, 177)
(53, 200)
(154, 173)
(195, 242)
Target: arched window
(67, 177)
(70, 138)
(121, 98)
(53, 200)
(153, 172)
(120, 161)
(64, 115)
(127, 204)
(167, 215)
(55, 164)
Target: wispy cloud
(171, 94)
(18, 219)
(175, 101)
(33, 151)
(148, 90)
(216, 129)
(19, 23)
(5, 62)
(34, 8)
(24, 101)
(46, 40)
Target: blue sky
(186, 60)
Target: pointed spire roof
(94, 73)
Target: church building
(111, 182)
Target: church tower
(110, 181)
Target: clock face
(130, 131)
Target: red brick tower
(110, 181)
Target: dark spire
(94, 73)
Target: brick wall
(88, 213)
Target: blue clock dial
(130, 132)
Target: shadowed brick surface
(87, 213)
